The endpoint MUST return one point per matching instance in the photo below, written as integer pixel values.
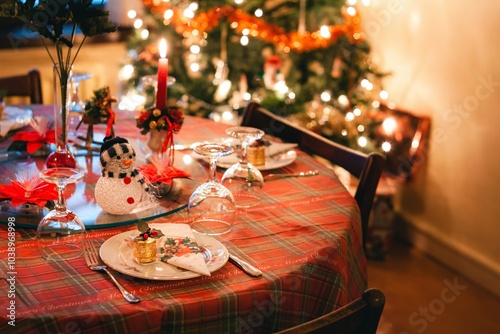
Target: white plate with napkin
(14, 118)
(117, 253)
(277, 155)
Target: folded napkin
(6, 126)
(180, 249)
(13, 118)
(271, 151)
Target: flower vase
(62, 157)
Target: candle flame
(163, 48)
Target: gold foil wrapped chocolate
(145, 251)
(256, 155)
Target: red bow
(35, 140)
(169, 142)
(111, 121)
(18, 194)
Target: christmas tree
(306, 60)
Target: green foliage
(97, 108)
(48, 18)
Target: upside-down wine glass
(61, 232)
(243, 179)
(211, 207)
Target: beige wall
(444, 59)
(102, 60)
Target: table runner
(305, 237)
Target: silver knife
(245, 266)
(281, 176)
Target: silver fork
(94, 262)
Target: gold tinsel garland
(241, 21)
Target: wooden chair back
(25, 85)
(361, 317)
(366, 167)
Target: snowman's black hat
(112, 147)
(110, 141)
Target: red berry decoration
(147, 232)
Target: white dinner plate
(280, 155)
(116, 254)
(276, 161)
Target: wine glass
(211, 206)
(243, 179)
(60, 233)
(76, 106)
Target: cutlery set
(94, 262)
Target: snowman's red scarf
(134, 174)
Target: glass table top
(80, 196)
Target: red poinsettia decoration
(35, 139)
(160, 170)
(28, 189)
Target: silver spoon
(281, 176)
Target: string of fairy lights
(193, 24)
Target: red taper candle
(161, 92)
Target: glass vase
(62, 157)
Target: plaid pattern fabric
(305, 237)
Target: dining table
(305, 237)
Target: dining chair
(24, 85)
(367, 168)
(360, 316)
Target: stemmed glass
(211, 206)
(243, 179)
(77, 105)
(60, 233)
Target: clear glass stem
(212, 176)
(61, 200)
(76, 98)
(244, 150)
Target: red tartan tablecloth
(305, 237)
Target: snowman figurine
(121, 187)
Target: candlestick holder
(148, 86)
